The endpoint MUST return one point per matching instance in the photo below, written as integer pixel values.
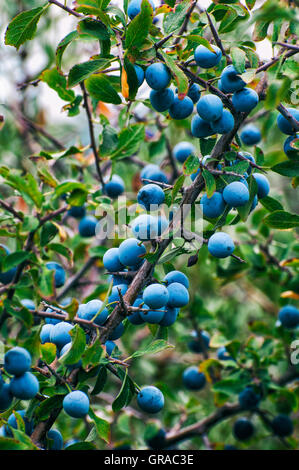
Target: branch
(185, 23)
(75, 279)
(217, 38)
(91, 133)
(10, 209)
(288, 46)
(64, 7)
(288, 116)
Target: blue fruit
(182, 151)
(151, 195)
(52, 321)
(12, 422)
(154, 173)
(25, 386)
(59, 273)
(181, 109)
(221, 245)
(157, 441)
(114, 295)
(231, 80)
(200, 128)
(263, 185)
(194, 92)
(5, 397)
(206, 58)
(176, 276)
(76, 404)
(87, 226)
(45, 333)
(291, 152)
(135, 317)
(17, 361)
(155, 296)
(111, 260)
(7, 276)
(28, 303)
(150, 399)
(130, 251)
(77, 212)
(284, 125)
(115, 187)
(117, 332)
(161, 100)
(250, 135)
(169, 316)
(289, 316)
(210, 108)
(109, 345)
(134, 8)
(145, 227)
(140, 74)
(178, 295)
(197, 345)
(193, 379)
(282, 425)
(91, 309)
(214, 206)
(59, 334)
(248, 399)
(54, 440)
(243, 429)
(222, 354)
(157, 76)
(245, 100)
(236, 194)
(161, 224)
(225, 124)
(152, 316)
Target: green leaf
(62, 250)
(152, 348)
(57, 82)
(200, 41)
(94, 28)
(23, 27)
(14, 259)
(244, 211)
(48, 352)
(74, 354)
(46, 407)
(174, 20)
(7, 443)
(190, 165)
(63, 45)
(48, 232)
(125, 394)
(92, 354)
(100, 382)
(287, 168)
(80, 72)
(139, 27)
(102, 426)
(129, 141)
(179, 76)
(239, 59)
(100, 88)
(209, 182)
(81, 446)
(271, 204)
(109, 139)
(177, 186)
(282, 220)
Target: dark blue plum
(150, 399)
(161, 100)
(205, 58)
(221, 245)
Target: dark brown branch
(10, 209)
(65, 8)
(289, 117)
(217, 38)
(91, 133)
(185, 23)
